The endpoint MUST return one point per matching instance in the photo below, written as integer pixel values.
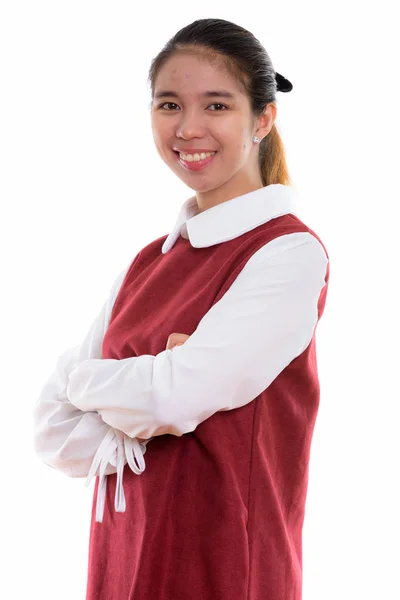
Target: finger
(176, 337)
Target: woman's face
(188, 119)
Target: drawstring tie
(126, 446)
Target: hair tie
(282, 84)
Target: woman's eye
(219, 105)
(173, 103)
(165, 103)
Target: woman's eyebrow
(207, 94)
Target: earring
(256, 139)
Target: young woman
(203, 355)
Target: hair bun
(282, 84)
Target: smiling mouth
(179, 153)
(195, 165)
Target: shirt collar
(231, 218)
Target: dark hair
(227, 44)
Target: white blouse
(91, 410)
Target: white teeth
(195, 157)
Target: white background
(83, 189)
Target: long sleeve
(78, 442)
(265, 320)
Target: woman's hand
(175, 339)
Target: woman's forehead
(196, 78)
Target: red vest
(218, 512)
